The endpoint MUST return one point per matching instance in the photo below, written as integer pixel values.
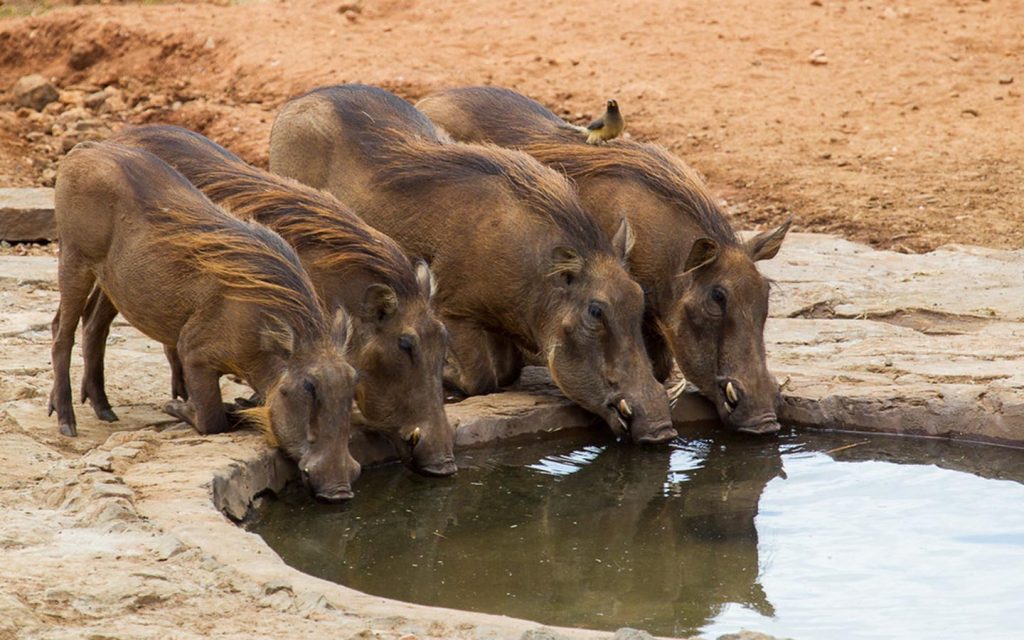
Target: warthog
(397, 344)
(230, 295)
(523, 271)
(706, 302)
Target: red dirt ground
(909, 137)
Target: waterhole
(807, 535)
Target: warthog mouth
(624, 415)
(659, 435)
(337, 495)
(765, 427)
(441, 469)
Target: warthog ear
(277, 337)
(425, 279)
(566, 262)
(379, 302)
(765, 245)
(703, 252)
(341, 328)
(624, 240)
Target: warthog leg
(479, 361)
(76, 281)
(99, 314)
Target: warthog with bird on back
(523, 272)
(706, 302)
(397, 344)
(230, 296)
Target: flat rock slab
(949, 289)
(27, 215)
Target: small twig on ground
(847, 446)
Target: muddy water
(803, 536)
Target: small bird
(608, 126)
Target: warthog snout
(428, 450)
(744, 412)
(627, 421)
(324, 482)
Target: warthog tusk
(676, 391)
(625, 409)
(414, 437)
(730, 394)
(623, 424)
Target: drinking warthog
(706, 302)
(231, 295)
(522, 270)
(397, 344)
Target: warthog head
(400, 357)
(597, 355)
(717, 329)
(308, 410)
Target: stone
(818, 57)
(541, 634)
(168, 546)
(85, 54)
(27, 215)
(96, 99)
(108, 490)
(627, 633)
(748, 635)
(34, 92)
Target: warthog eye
(718, 295)
(309, 387)
(405, 343)
(595, 311)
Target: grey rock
(34, 91)
(26, 215)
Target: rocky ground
(893, 122)
(120, 533)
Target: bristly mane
(411, 153)
(514, 120)
(411, 162)
(320, 228)
(649, 164)
(251, 262)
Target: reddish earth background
(909, 136)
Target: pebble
(1006, 80)
(818, 57)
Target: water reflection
(706, 535)
(598, 535)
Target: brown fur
(225, 295)
(686, 251)
(654, 167)
(520, 264)
(251, 263)
(353, 266)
